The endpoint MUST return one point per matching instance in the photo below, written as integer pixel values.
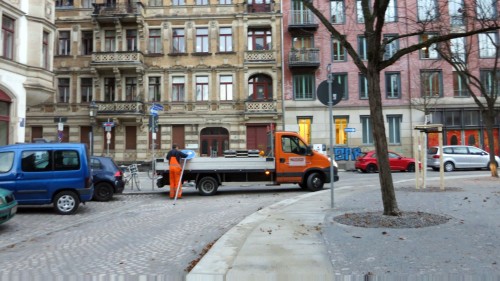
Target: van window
(460, 150)
(36, 161)
(475, 151)
(448, 150)
(6, 161)
(66, 160)
(432, 150)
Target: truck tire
(66, 202)
(315, 182)
(207, 186)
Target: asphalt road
(136, 235)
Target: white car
(459, 157)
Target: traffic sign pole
(330, 117)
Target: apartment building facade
(25, 63)
(213, 68)
(421, 88)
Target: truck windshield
(293, 144)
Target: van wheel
(314, 182)
(449, 167)
(66, 202)
(207, 186)
(103, 192)
(371, 168)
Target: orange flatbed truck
(288, 160)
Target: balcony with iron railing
(301, 19)
(303, 58)
(125, 12)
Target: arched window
(260, 88)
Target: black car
(107, 177)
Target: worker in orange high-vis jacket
(174, 157)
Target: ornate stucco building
(213, 66)
(25, 62)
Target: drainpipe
(282, 69)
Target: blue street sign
(157, 107)
(190, 153)
(108, 124)
(153, 112)
(349, 130)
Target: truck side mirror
(309, 150)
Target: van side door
(34, 177)
(292, 159)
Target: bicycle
(131, 175)
(152, 171)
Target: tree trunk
(380, 139)
(489, 118)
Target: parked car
(47, 173)
(459, 157)
(367, 162)
(107, 177)
(8, 205)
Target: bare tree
(482, 86)
(426, 20)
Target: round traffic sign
(108, 135)
(323, 90)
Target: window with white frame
(64, 43)
(363, 87)
(431, 83)
(341, 79)
(366, 129)
(391, 47)
(178, 2)
(202, 2)
(154, 90)
(154, 41)
(63, 90)
(490, 81)
(394, 122)
(8, 28)
(225, 2)
(428, 52)
(155, 3)
(459, 85)
(178, 41)
(304, 87)
(427, 10)
(338, 51)
(109, 41)
(337, 11)
(259, 39)
(486, 9)
(456, 11)
(457, 48)
(86, 89)
(487, 44)
(226, 87)
(391, 13)
(178, 88)
(359, 12)
(225, 39)
(130, 88)
(201, 88)
(202, 40)
(393, 85)
(362, 48)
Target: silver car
(459, 157)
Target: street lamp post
(92, 114)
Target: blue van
(47, 173)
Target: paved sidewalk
(297, 239)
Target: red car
(367, 162)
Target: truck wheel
(103, 192)
(207, 186)
(314, 182)
(66, 202)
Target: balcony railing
(111, 57)
(260, 106)
(259, 56)
(118, 9)
(301, 17)
(120, 107)
(304, 57)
